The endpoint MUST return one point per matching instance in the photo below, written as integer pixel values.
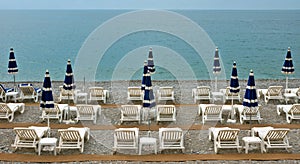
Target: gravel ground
(196, 141)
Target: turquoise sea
(45, 39)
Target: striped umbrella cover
(145, 72)
(151, 66)
(234, 81)
(12, 63)
(250, 98)
(288, 67)
(69, 78)
(216, 66)
(148, 100)
(47, 96)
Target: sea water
(46, 39)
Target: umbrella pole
(14, 83)
(149, 122)
(48, 126)
(286, 82)
(69, 112)
(216, 80)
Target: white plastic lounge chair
(165, 94)
(4, 91)
(201, 93)
(212, 113)
(87, 112)
(292, 112)
(171, 138)
(126, 138)
(134, 93)
(98, 93)
(66, 94)
(27, 91)
(229, 96)
(225, 138)
(272, 137)
(245, 113)
(130, 113)
(55, 113)
(165, 113)
(29, 137)
(273, 93)
(73, 138)
(7, 111)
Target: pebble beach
(196, 140)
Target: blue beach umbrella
(216, 66)
(234, 82)
(47, 101)
(250, 98)
(12, 65)
(69, 84)
(148, 101)
(288, 67)
(151, 66)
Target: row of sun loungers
(267, 137)
(31, 137)
(208, 112)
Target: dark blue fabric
(69, 78)
(250, 98)
(216, 66)
(12, 63)
(288, 67)
(151, 66)
(234, 81)
(148, 100)
(47, 100)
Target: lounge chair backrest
(166, 109)
(166, 91)
(274, 90)
(96, 91)
(228, 93)
(213, 110)
(295, 109)
(52, 110)
(251, 111)
(134, 92)
(64, 92)
(126, 135)
(4, 108)
(26, 134)
(85, 109)
(202, 90)
(276, 134)
(69, 135)
(172, 135)
(228, 134)
(129, 109)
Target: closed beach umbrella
(148, 101)
(216, 66)
(234, 82)
(288, 67)
(47, 101)
(151, 66)
(12, 65)
(250, 98)
(145, 74)
(69, 84)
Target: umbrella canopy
(145, 74)
(250, 98)
(151, 66)
(288, 67)
(234, 81)
(47, 96)
(69, 78)
(148, 101)
(216, 66)
(12, 64)
(47, 101)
